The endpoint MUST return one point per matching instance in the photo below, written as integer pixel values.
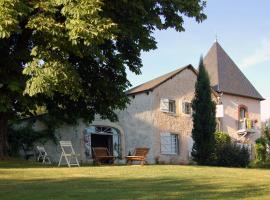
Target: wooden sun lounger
(102, 154)
(138, 155)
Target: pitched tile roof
(225, 76)
(150, 85)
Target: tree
(266, 131)
(71, 56)
(263, 143)
(204, 121)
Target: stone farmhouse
(159, 115)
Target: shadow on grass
(116, 188)
(23, 164)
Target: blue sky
(242, 28)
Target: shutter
(116, 145)
(165, 143)
(190, 145)
(164, 105)
(184, 107)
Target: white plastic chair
(69, 154)
(43, 156)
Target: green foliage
(22, 135)
(75, 53)
(266, 131)
(228, 154)
(262, 154)
(222, 138)
(232, 155)
(12, 11)
(71, 56)
(204, 120)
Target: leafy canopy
(71, 56)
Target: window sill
(169, 154)
(170, 113)
(187, 115)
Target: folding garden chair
(43, 156)
(69, 154)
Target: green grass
(31, 181)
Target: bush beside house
(229, 154)
(262, 154)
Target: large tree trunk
(3, 136)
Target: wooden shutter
(164, 105)
(190, 145)
(183, 107)
(165, 143)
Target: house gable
(152, 84)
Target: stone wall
(76, 136)
(141, 123)
(65, 132)
(180, 88)
(137, 123)
(230, 121)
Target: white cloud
(261, 54)
(265, 109)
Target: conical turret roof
(225, 76)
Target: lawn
(30, 181)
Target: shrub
(260, 147)
(222, 138)
(229, 154)
(262, 154)
(232, 155)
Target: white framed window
(187, 108)
(167, 105)
(169, 143)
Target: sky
(241, 27)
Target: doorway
(102, 136)
(98, 140)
